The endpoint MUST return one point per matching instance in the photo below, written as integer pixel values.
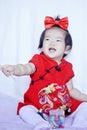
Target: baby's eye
(47, 39)
(58, 40)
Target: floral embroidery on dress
(54, 96)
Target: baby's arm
(18, 70)
(75, 93)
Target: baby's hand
(8, 70)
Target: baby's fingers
(5, 70)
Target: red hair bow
(49, 22)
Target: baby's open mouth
(52, 50)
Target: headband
(50, 22)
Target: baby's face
(54, 43)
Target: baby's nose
(52, 42)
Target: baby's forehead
(56, 31)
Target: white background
(21, 24)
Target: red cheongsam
(47, 83)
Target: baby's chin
(51, 57)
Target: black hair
(68, 38)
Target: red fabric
(46, 74)
(75, 104)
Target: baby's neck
(58, 61)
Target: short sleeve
(70, 72)
(38, 62)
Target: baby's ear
(67, 49)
